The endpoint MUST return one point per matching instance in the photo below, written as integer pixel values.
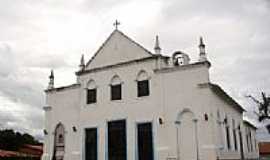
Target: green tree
(263, 108)
(11, 140)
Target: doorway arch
(59, 142)
(187, 135)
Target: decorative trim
(148, 78)
(93, 70)
(113, 77)
(140, 71)
(121, 83)
(183, 67)
(72, 86)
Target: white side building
(131, 104)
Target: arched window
(228, 138)
(143, 88)
(116, 88)
(220, 130)
(91, 96)
(234, 135)
(247, 139)
(250, 140)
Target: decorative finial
(202, 55)
(82, 64)
(157, 47)
(51, 82)
(116, 24)
(201, 42)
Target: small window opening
(91, 96)
(116, 92)
(143, 88)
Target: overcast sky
(36, 36)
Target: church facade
(131, 104)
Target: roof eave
(222, 94)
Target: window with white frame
(91, 92)
(143, 86)
(116, 88)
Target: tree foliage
(11, 140)
(263, 107)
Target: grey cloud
(24, 119)
(16, 81)
(49, 61)
(6, 60)
(188, 9)
(101, 5)
(22, 92)
(7, 117)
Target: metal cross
(116, 24)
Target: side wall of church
(182, 97)
(64, 110)
(183, 94)
(234, 120)
(251, 145)
(221, 110)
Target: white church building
(131, 104)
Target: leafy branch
(263, 108)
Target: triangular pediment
(118, 48)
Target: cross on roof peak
(116, 24)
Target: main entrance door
(117, 145)
(145, 141)
(91, 144)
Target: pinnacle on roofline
(202, 53)
(51, 82)
(82, 63)
(51, 75)
(201, 41)
(157, 46)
